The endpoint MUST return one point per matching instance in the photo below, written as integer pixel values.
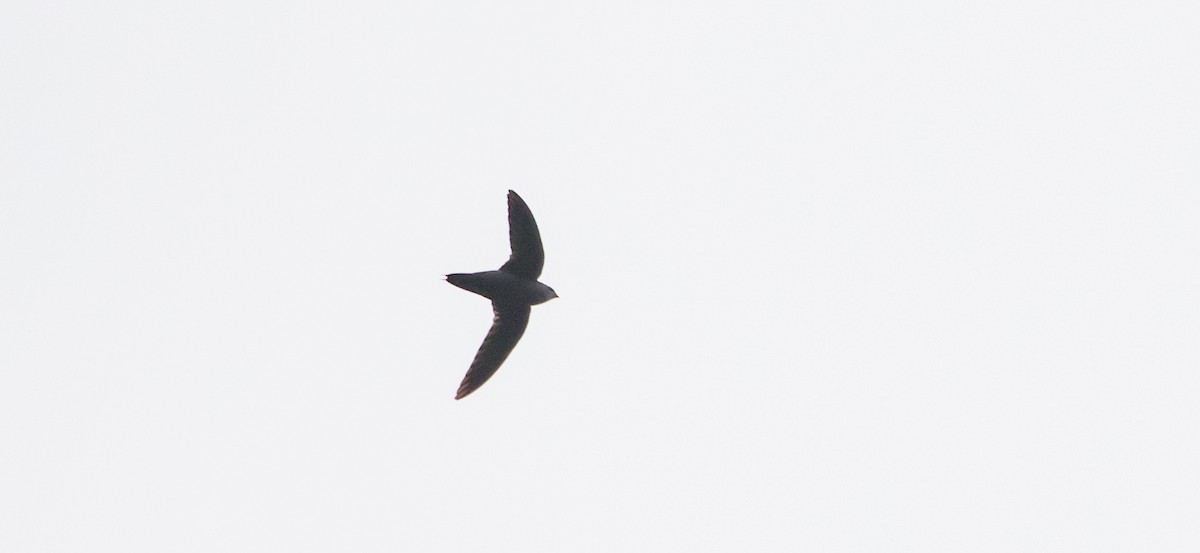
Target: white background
(834, 276)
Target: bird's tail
(458, 279)
(468, 282)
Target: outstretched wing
(527, 256)
(507, 327)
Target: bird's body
(503, 287)
(512, 289)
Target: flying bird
(512, 289)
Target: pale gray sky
(836, 276)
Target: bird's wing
(527, 256)
(507, 327)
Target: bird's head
(545, 294)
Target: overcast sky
(834, 276)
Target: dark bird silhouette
(512, 289)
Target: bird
(513, 290)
